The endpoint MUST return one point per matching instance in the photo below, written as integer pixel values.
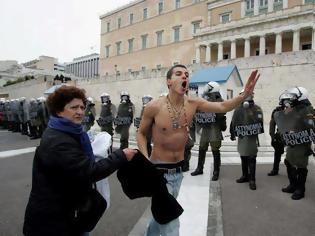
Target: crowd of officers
(27, 116)
(292, 125)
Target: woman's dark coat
(62, 177)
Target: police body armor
(106, 116)
(211, 123)
(297, 129)
(34, 113)
(124, 115)
(247, 121)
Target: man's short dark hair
(170, 71)
(57, 101)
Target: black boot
(201, 162)
(216, 165)
(292, 175)
(301, 179)
(276, 162)
(252, 172)
(244, 177)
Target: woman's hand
(130, 153)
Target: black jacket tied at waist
(140, 178)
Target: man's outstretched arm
(228, 105)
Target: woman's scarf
(76, 130)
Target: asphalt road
(15, 186)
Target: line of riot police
(27, 116)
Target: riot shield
(248, 121)
(296, 125)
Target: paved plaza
(210, 208)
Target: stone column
(233, 49)
(285, 4)
(256, 7)
(262, 45)
(197, 54)
(278, 43)
(270, 5)
(208, 53)
(296, 40)
(247, 47)
(220, 51)
(313, 39)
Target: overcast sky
(64, 29)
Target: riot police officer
(34, 119)
(189, 145)
(42, 114)
(107, 115)
(212, 125)
(296, 124)
(247, 124)
(276, 143)
(2, 113)
(89, 114)
(124, 118)
(145, 100)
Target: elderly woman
(64, 168)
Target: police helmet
(105, 98)
(90, 99)
(146, 99)
(292, 96)
(124, 96)
(212, 87)
(248, 98)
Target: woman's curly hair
(57, 101)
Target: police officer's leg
(203, 147)
(252, 172)
(215, 147)
(279, 150)
(244, 177)
(187, 154)
(292, 175)
(300, 187)
(124, 137)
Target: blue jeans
(172, 228)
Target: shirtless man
(169, 117)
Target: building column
(313, 39)
(256, 7)
(247, 47)
(270, 5)
(262, 45)
(220, 51)
(285, 4)
(208, 53)
(243, 8)
(197, 54)
(296, 40)
(278, 43)
(233, 49)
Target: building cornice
(131, 4)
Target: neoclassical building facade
(151, 34)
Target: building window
(143, 68)
(108, 27)
(158, 67)
(249, 7)
(309, 1)
(277, 5)
(177, 4)
(145, 13)
(306, 46)
(159, 38)
(176, 33)
(229, 94)
(130, 45)
(131, 18)
(196, 1)
(160, 7)
(107, 51)
(263, 3)
(119, 23)
(225, 17)
(226, 56)
(195, 26)
(118, 46)
(144, 41)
